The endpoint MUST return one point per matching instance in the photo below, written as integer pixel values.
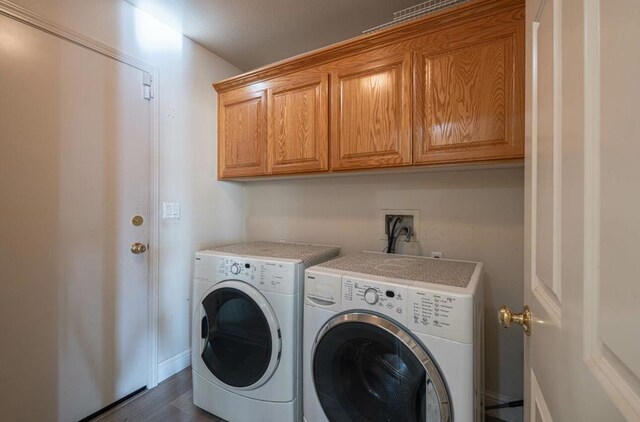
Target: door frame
(34, 20)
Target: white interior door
(74, 171)
(582, 360)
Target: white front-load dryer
(247, 313)
(393, 338)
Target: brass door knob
(138, 248)
(507, 317)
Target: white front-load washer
(247, 312)
(393, 338)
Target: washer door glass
(364, 372)
(238, 343)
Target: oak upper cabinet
(446, 88)
(298, 123)
(469, 91)
(242, 133)
(371, 109)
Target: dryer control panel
(273, 276)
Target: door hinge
(147, 89)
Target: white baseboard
(173, 365)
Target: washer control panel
(384, 298)
(422, 310)
(441, 314)
(279, 277)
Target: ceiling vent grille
(414, 12)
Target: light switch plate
(171, 210)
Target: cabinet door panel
(371, 119)
(299, 123)
(242, 134)
(469, 96)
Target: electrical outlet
(412, 215)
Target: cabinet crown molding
(434, 22)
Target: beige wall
(473, 214)
(187, 154)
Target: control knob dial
(235, 268)
(371, 296)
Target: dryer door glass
(238, 343)
(363, 371)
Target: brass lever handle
(138, 248)
(507, 317)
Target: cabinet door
(469, 92)
(298, 123)
(371, 110)
(242, 133)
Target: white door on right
(582, 249)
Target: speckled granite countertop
(307, 253)
(430, 270)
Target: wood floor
(171, 400)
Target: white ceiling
(253, 33)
